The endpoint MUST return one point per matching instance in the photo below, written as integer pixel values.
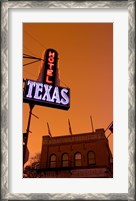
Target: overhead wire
(27, 56)
(34, 57)
(31, 62)
(35, 39)
(27, 49)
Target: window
(77, 159)
(91, 158)
(65, 161)
(53, 161)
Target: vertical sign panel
(50, 63)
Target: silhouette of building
(76, 156)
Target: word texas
(48, 95)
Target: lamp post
(31, 106)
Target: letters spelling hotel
(70, 156)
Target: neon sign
(46, 95)
(50, 64)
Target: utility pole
(31, 106)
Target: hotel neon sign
(50, 58)
(45, 92)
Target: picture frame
(5, 98)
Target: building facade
(84, 155)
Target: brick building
(76, 156)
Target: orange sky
(86, 67)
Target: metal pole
(92, 124)
(108, 126)
(27, 132)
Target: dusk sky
(85, 65)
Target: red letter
(47, 80)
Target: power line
(29, 50)
(27, 56)
(37, 59)
(32, 62)
(35, 39)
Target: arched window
(53, 159)
(91, 158)
(65, 161)
(78, 159)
